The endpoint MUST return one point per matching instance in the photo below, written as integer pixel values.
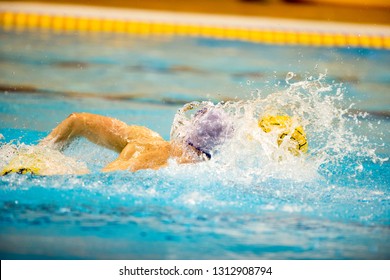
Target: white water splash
(39, 160)
(252, 154)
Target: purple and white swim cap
(203, 130)
(211, 126)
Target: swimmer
(138, 146)
(192, 140)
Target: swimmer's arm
(182, 156)
(141, 155)
(101, 130)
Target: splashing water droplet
(255, 93)
(289, 76)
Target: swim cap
(211, 126)
(285, 126)
(198, 127)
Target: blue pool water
(330, 204)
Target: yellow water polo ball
(22, 170)
(23, 163)
(284, 124)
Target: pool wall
(71, 18)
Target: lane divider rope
(10, 20)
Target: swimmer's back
(136, 132)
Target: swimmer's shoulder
(136, 132)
